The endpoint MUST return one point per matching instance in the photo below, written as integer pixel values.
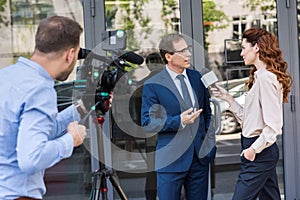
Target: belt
(26, 198)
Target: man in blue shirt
(33, 135)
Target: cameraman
(33, 135)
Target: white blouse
(261, 114)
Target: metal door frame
(288, 34)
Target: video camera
(98, 75)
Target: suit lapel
(167, 81)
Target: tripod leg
(104, 187)
(95, 186)
(116, 184)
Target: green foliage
(264, 5)
(3, 18)
(168, 9)
(132, 14)
(212, 19)
(110, 13)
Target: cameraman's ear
(70, 55)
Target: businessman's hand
(189, 116)
(78, 132)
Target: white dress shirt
(177, 83)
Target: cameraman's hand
(78, 132)
(189, 116)
(221, 93)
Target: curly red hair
(271, 55)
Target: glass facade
(19, 20)
(30, 12)
(145, 22)
(132, 154)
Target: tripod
(99, 177)
(99, 184)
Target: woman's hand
(221, 93)
(249, 154)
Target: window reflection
(145, 21)
(30, 12)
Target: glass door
(223, 46)
(144, 22)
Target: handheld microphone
(208, 77)
(132, 57)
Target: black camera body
(97, 77)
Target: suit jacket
(162, 105)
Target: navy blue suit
(177, 150)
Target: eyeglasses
(185, 50)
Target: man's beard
(65, 74)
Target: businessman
(175, 105)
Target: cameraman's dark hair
(166, 44)
(56, 34)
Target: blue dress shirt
(32, 132)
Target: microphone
(131, 57)
(123, 55)
(208, 77)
